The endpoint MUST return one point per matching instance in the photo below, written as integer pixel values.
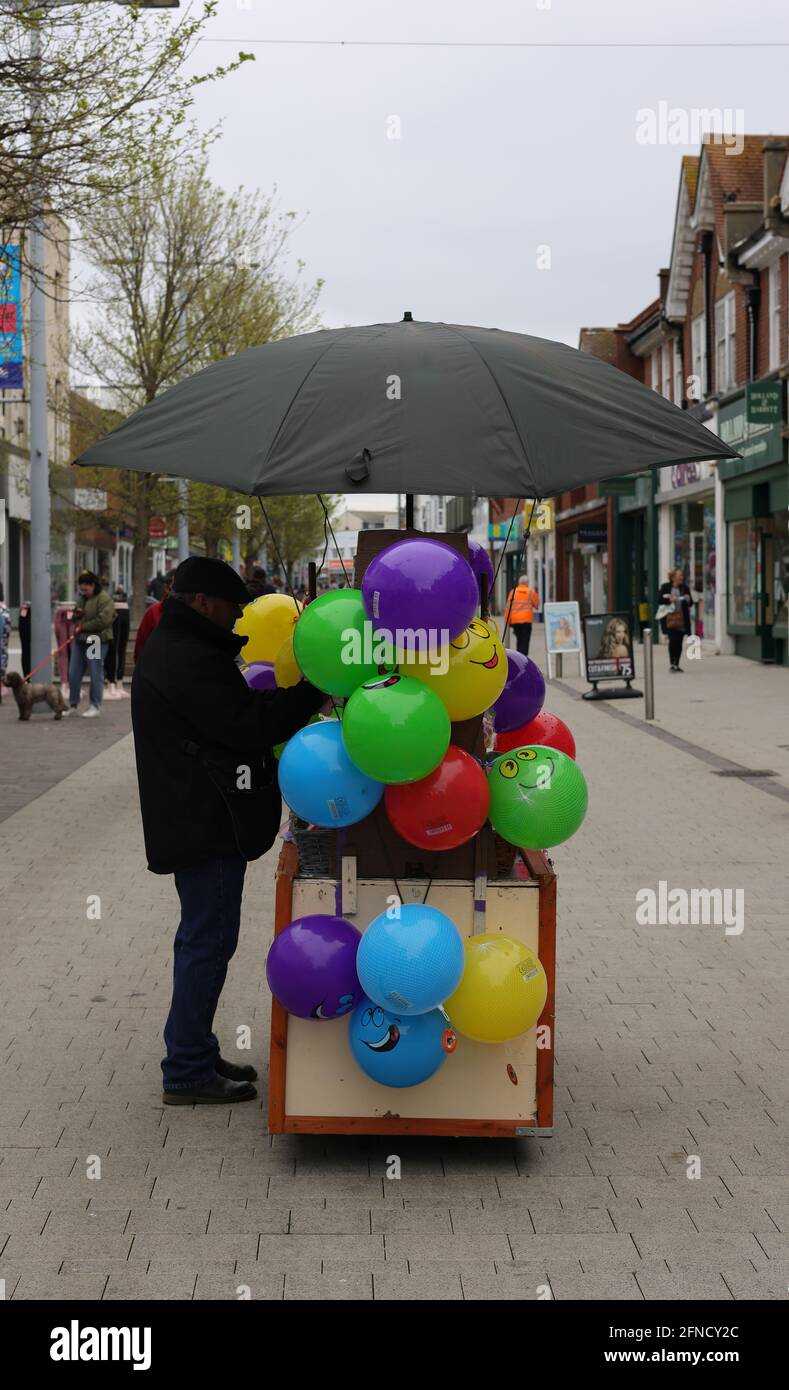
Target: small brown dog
(27, 695)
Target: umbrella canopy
(406, 407)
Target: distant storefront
(688, 536)
(756, 496)
(582, 556)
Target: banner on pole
(10, 319)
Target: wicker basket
(317, 850)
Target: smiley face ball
(468, 674)
(395, 1049)
(538, 797)
(311, 967)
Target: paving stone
(64, 1287)
(262, 1286)
(445, 1286)
(317, 1287)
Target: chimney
(773, 161)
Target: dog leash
(47, 659)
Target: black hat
(201, 575)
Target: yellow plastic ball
(502, 992)
(286, 668)
(468, 675)
(267, 623)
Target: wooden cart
(315, 1087)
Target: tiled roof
(740, 174)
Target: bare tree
(94, 97)
(185, 273)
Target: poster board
(608, 647)
(562, 633)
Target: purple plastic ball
(420, 584)
(259, 675)
(480, 562)
(311, 967)
(523, 695)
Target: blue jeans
(206, 939)
(78, 662)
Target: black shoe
(218, 1090)
(233, 1072)
(680, 669)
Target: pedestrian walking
(522, 603)
(258, 584)
(210, 803)
(93, 617)
(151, 616)
(675, 596)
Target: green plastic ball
(538, 797)
(336, 646)
(395, 729)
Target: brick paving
(671, 1041)
(39, 753)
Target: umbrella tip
(408, 316)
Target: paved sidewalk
(735, 709)
(40, 752)
(672, 1041)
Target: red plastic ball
(544, 729)
(444, 809)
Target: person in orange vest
(522, 603)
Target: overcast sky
(502, 150)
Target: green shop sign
(760, 443)
(764, 401)
(623, 486)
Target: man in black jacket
(210, 802)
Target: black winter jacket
(203, 741)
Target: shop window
(744, 573)
(665, 366)
(698, 347)
(679, 385)
(654, 366)
(725, 343)
(774, 311)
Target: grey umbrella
(406, 407)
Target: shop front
(756, 496)
(582, 558)
(688, 537)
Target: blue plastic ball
(319, 781)
(410, 962)
(396, 1049)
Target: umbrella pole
(409, 511)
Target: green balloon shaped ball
(538, 797)
(395, 729)
(336, 646)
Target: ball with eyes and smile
(395, 1049)
(538, 797)
(469, 673)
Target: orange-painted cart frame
(541, 876)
